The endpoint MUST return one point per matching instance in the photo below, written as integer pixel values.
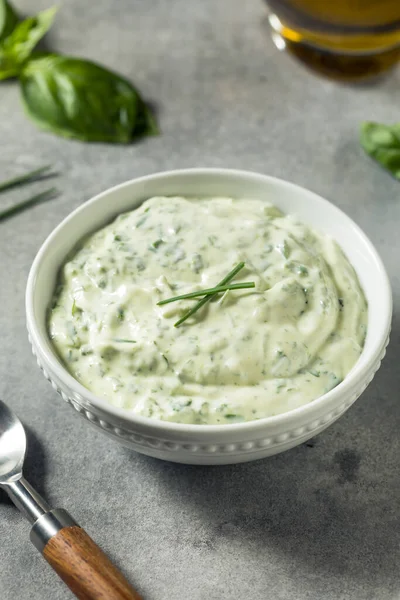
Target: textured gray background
(317, 522)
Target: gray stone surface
(318, 522)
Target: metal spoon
(70, 551)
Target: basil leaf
(19, 45)
(79, 99)
(8, 19)
(145, 123)
(382, 143)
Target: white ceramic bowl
(210, 444)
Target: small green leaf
(79, 99)
(19, 45)
(8, 19)
(382, 143)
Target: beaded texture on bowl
(265, 446)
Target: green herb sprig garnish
(37, 199)
(211, 294)
(26, 178)
(20, 180)
(210, 291)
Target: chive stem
(214, 290)
(42, 197)
(206, 299)
(23, 179)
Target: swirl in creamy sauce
(249, 353)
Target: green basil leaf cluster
(18, 45)
(8, 19)
(70, 97)
(382, 143)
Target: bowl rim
(356, 374)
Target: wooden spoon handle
(85, 569)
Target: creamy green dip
(246, 354)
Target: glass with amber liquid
(345, 39)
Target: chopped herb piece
(335, 380)
(140, 265)
(233, 418)
(71, 329)
(140, 222)
(284, 249)
(120, 314)
(123, 341)
(178, 406)
(302, 270)
(109, 353)
(313, 372)
(197, 263)
(85, 350)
